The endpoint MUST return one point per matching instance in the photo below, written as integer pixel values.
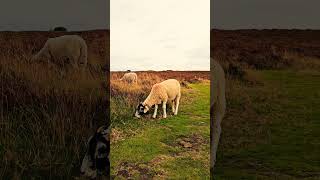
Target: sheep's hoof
(153, 117)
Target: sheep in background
(130, 77)
(168, 90)
(218, 107)
(63, 50)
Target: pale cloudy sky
(22, 15)
(260, 14)
(159, 35)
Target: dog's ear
(104, 129)
(108, 133)
(103, 134)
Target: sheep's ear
(146, 109)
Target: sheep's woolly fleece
(130, 77)
(166, 91)
(67, 49)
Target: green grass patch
(160, 138)
(271, 131)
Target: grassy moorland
(176, 147)
(271, 128)
(45, 119)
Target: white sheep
(67, 49)
(130, 77)
(218, 107)
(166, 91)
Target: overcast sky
(160, 35)
(260, 14)
(18, 15)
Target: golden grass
(46, 118)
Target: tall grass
(46, 118)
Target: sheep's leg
(73, 62)
(215, 135)
(155, 111)
(173, 104)
(61, 71)
(177, 104)
(164, 107)
(81, 66)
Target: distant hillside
(264, 49)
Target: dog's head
(141, 110)
(96, 160)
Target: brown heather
(46, 118)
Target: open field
(45, 119)
(271, 128)
(176, 147)
(267, 49)
(270, 131)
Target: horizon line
(158, 70)
(260, 29)
(99, 29)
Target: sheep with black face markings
(166, 91)
(218, 107)
(64, 50)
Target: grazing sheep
(130, 77)
(63, 50)
(218, 107)
(168, 90)
(96, 160)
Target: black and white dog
(96, 160)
